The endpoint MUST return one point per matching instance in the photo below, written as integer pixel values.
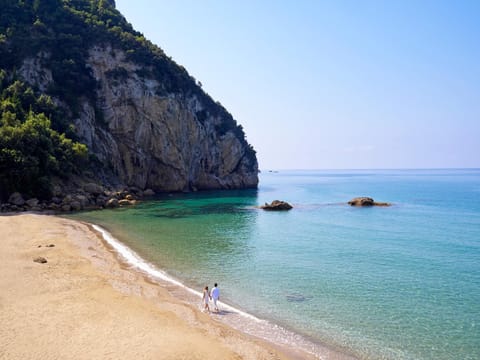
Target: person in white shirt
(215, 296)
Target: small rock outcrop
(77, 197)
(126, 202)
(277, 205)
(366, 201)
(112, 203)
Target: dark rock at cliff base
(112, 203)
(40, 260)
(366, 201)
(32, 203)
(149, 192)
(93, 188)
(277, 205)
(16, 199)
(76, 206)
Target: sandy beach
(83, 303)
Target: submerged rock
(366, 201)
(277, 205)
(296, 297)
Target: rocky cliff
(164, 142)
(146, 122)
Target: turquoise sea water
(401, 282)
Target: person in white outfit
(205, 298)
(215, 296)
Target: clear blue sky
(333, 84)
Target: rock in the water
(40, 260)
(366, 201)
(16, 199)
(124, 202)
(361, 201)
(277, 205)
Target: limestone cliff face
(149, 139)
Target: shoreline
(86, 302)
(239, 320)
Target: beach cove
(84, 303)
(325, 278)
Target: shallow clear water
(401, 282)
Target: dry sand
(84, 304)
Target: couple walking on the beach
(213, 295)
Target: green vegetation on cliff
(31, 151)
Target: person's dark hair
(215, 284)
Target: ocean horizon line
(369, 169)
